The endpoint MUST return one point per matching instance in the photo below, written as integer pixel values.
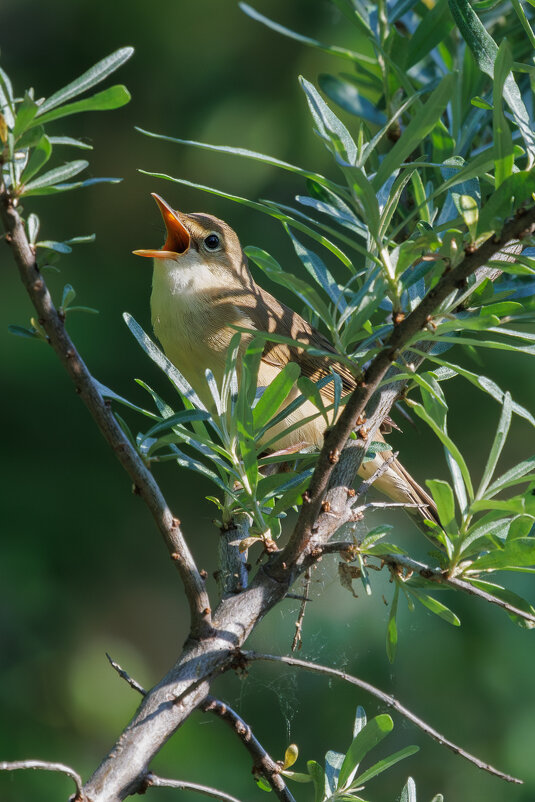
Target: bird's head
(198, 240)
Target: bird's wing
(271, 316)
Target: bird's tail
(397, 483)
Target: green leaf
(518, 187)
(275, 394)
(69, 294)
(319, 272)
(7, 104)
(70, 142)
(349, 98)
(485, 51)
(385, 764)
(519, 553)
(482, 383)
(25, 114)
(497, 445)
(503, 140)
(433, 29)
(436, 607)
(33, 225)
(408, 793)
(97, 73)
(333, 763)
(38, 158)
(318, 778)
(305, 40)
(296, 776)
(423, 122)
(21, 331)
(328, 126)
(392, 629)
(513, 476)
(56, 175)
(511, 598)
(52, 245)
(246, 154)
(172, 373)
(369, 736)
(112, 98)
(447, 442)
(184, 416)
(443, 498)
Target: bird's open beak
(178, 237)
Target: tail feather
(397, 483)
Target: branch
(521, 226)
(442, 578)
(153, 780)
(388, 700)
(46, 766)
(127, 678)
(262, 762)
(437, 575)
(86, 387)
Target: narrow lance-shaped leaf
(97, 73)
(163, 363)
(423, 122)
(112, 98)
(485, 51)
(447, 441)
(306, 40)
(384, 764)
(370, 735)
(56, 175)
(275, 394)
(38, 158)
(246, 154)
(329, 127)
(503, 140)
(497, 445)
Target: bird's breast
(193, 317)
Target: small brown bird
(201, 288)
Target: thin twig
(262, 762)
(521, 226)
(123, 674)
(46, 766)
(298, 641)
(442, 578)
(438, 575)
(388, 700)
(161, 782)
(86, 387)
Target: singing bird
(202, 289)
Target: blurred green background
(83, 570)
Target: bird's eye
(212, 242)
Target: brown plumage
(203, 289)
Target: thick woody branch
(388, 700)
(262, 762)
(86, 387)
(521, 226)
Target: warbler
(202, 289)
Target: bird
(203, 289)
